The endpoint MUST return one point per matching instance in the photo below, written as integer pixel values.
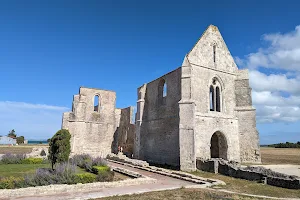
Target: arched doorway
(218, 146)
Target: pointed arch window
(165, 90)
(215, 96)
(211, 98)
(96, 103)
(162, 92)
(218, 103)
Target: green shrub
(11, 182)
(33, 161)
(43, 153)
(105, 176)
(64, 173)
(12, 158)
(59, 147)
(85, 178)
(20, 140)
(100, 169)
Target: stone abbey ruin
(201, 110)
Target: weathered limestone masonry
(124, 135)
(157, 119)
(95, 121)
(203, 110)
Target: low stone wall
(285, 183)
(201, 182)
(206, 165)
(122, 158)
(260, 174)
(237, 172)
(127, 172)
(63, 188)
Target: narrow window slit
(211, 98)
(214, 50)
(96, 103)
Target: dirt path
(163, 183)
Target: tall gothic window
(218, 103)
(211, 98)
(215, 96)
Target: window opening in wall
(211, 98)
(162, 92)
(218, 146)
(218, 103)
(165, 90)
(96, 103)
(215, 96)
(214, 50)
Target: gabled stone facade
(205, 110)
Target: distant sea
(37, 142)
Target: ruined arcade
(201, 110)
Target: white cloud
(274, 82)
(29, 105)
(276, 96)
(273, 107)
(270, 104)
(283, 52)
(268, 98)
(277, 113)
(34, 121)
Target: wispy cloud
(34, 121)
(23, 105)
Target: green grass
(250, 187)
(180, 194)
(19, 170)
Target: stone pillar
(80, 109)
(139, 119)
(248, 134)
(187, 118)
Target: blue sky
(50, 48)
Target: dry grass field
(20, 149)
(180, 194)
(250, 187)
(280, 156)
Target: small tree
(59, 147)
(12, 133)
(20, 140)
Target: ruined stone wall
(157, 134)
(249, 138)
(259, 174)
(124, 134)
(188, 112)
(91, 131)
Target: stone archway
(218, 146)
